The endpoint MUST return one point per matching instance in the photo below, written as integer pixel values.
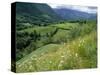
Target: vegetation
(59, 47)
(44, 42)
(73, 55)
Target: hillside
(69, 48)
(35, 14)
(70, 14)
(49, 39)
(73, 55)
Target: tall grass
(79, 53)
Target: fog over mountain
(71, 12)
(87, 9)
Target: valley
(59, 47)
(49, 39)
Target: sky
(86, 9)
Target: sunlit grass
(66, 25)
(80, 53)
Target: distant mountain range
(70, 14)
(40, 13)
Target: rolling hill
(35, 13)
(73, 55)
(46, 40)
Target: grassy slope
(76, 54)
(66, 25)
(47, 34)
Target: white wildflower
(59, 65)
(61, 61)
(19, 65)
(31, 57)
(50, 62)
(42, 53)
(79, 45)
(62, 56)
(64, 43)
(76, 54)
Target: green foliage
(32, 38)
(37, 14)
(73, 55)
(44, 41)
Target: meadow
(60, 46)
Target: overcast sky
(86, 9)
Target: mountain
(71, 14)
(35, 13)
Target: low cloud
(86, 9)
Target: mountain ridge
(71, 14)
(35, 13)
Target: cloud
(86, 9)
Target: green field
(59, 47)
(49, 39)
